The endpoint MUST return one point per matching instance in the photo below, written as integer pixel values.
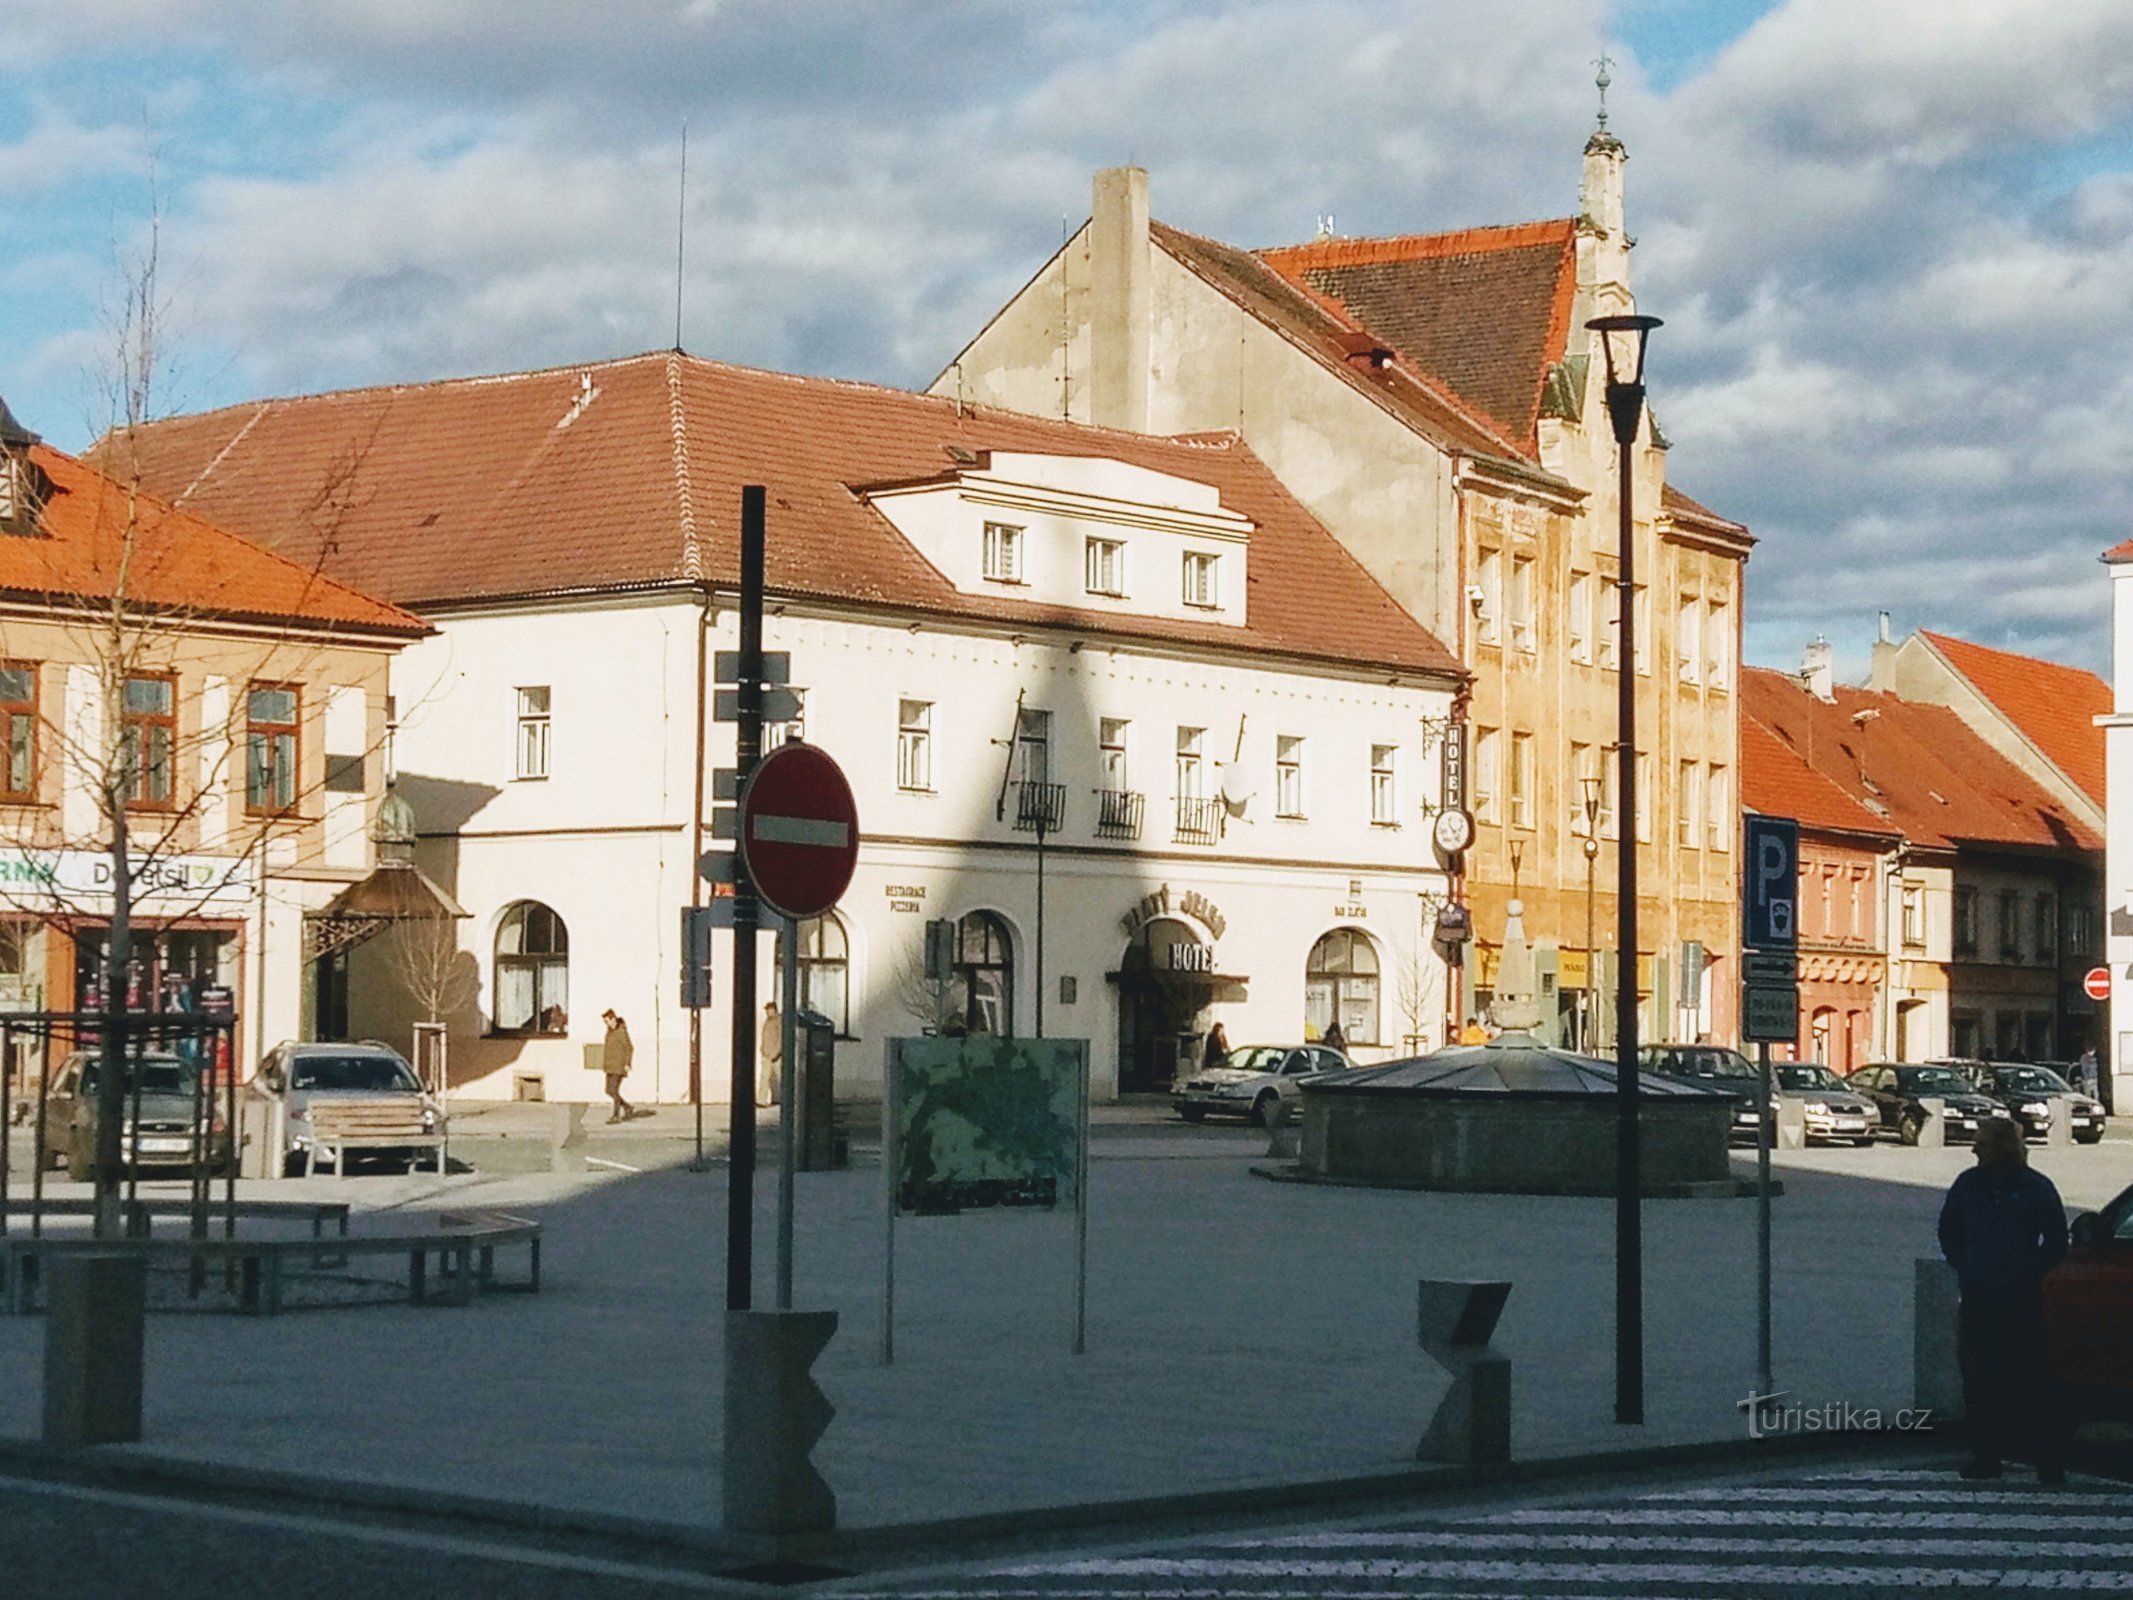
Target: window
(1578, 624)
(1644, 798)
(1191, 743)
(1690, 801)
(1582, 767)
(1003, 552)
(1488, 578)
(533, 732)
(2010, 926)
(1523, 635)
(1288, 775)
(532, 971)
(1914, 916)
(1966, 926)
(1488, 766)
(1104, 566)
(151, 736)
(1718, 646)
(1384, 786)
(1111, 751)
(914, 745)
(1610, 624)
(1718, 810)
(1610, 793)
(1641, 615)
(1033, 747)
(1341, 984)
(1202, 587)
(1856, 925)
(1688, 642)
(2047, 915)
(824, 960)
(270, 742)
(1521, 784)
(981, 986)
(18, 731)
(2080, 928)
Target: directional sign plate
(799, 830)
(779, 705)
(1769, 1014)
(1770, 969)
(726, 666)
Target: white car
(1252, 1078)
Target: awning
(398, 891)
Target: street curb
(1715, 1189)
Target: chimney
(1119, 299)
(1882, 677)
(1818, 668)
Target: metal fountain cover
(1510, 1064)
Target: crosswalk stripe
(1756, 1574)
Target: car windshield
(368, 1073)
(1806, 1075)
(1257, 1058)
(1933, 1080)
(2029, 1080)
(1704, 1064)
(157, 1074)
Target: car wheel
(1192, 1113)
(1261, 1106)
(1907, 1130)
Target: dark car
(2088, 1312)
(2028, 1091)
(1711, 1066)
(1900, 1090)
(158, 1130)
(1828, 1108)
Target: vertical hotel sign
(1454, 766)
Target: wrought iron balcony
(1118, 813)
(1199, 821)
(1039, 807)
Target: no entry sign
(2097, 985)
(799, 830)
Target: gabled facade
(1436, 401)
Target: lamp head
(1622, 341)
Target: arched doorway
(981, 987)
(1164, 987)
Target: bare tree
(440, 979)
(922, 998)
(1411, 978)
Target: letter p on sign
(1770, 896)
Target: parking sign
(1770, 892)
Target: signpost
(799, 838)
(1770, 1009)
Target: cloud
(57, 151)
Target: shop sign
(81, 879)
(1192, 958)
(1161, 903)
(906, 896)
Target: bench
(140, 1214)
(355, 1125)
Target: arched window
(532, 971)
(1341, 984)
(981, 991)
(825, 970)
(1821, 1029)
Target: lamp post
(1622, 342)
(1591, 786)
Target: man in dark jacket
(2003, 1228)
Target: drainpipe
(696, 854)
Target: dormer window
(1003, 552)
(1202, 579)
(1104, 567)
(18, 493)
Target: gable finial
(1602, 81)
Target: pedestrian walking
(1217, 1049)
(615, 1056)
(2088, 1074)
(2002, 1227)
(770, 1057)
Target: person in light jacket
(616, 1053)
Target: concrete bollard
(1936, 1372)
(1281, 1131)
(2060, 1130)
(1453, 1321)
(1791, 1123)
(775, 1411)
(96, 1305)
(1933, 1128)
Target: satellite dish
(1239, 782)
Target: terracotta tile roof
(1485, 311)
(1683, 509)
(1941, 784)
(1777, 782)
(178, 561)
(628, 473)
(2120, 552)
(2054, 706)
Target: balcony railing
(1199, 821)
(1039, 807)
(1118, 813)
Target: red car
(2088, 1311)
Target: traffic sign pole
(747, 748)
(1770, 850)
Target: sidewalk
(1239, 1332)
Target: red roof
(2055, 707)
(91, 529)
(1776, 781)
(628, 473)
(1938, 782)
(2120, 552)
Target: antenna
(681, 230)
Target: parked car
(158, 1131)
(1710, 1066)
(2028, 1090)
(2088, 1312)
(301, 1076)
(1897, 1091)
(1830, 1110)
(1253, 1078)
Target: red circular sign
(2097, 985)
(799, 830)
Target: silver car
(1829, 1107)
(167, 1097)
(1252, 1078)
(300, 1075)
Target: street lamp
(1591, 786)
(1622, 342)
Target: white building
(992, 618)
(2118, 837)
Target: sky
(1892, 240)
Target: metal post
(1043, 809)
(7, 1113)
(788, 1099)
(1592, 955)
(696, 877)
(1766, 1384)
(39, 1154)
(747, 749)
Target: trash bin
(815, 1143)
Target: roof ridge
(692, 560)
(1417, 246)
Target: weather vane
(1603, 80)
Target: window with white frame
(1524, 635)
(1644, 798)
(1192, 745)
(1521, 784)
(1288, 775)
(1488, 578)
(1610, 794)
(914, 745)
(1610, 624)
(1104, 567)
(532, 761)
(1688, 642)
(1488, 769)
(1033, 747)
(1003, 552)
(1641, 613)
(1718, 809)
(1583, 766)
(1384, 785)
(1914, 916)
(1203, 586)
(1718, 646)
(1111, 752)
(1688, 800)
(1578, 623)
